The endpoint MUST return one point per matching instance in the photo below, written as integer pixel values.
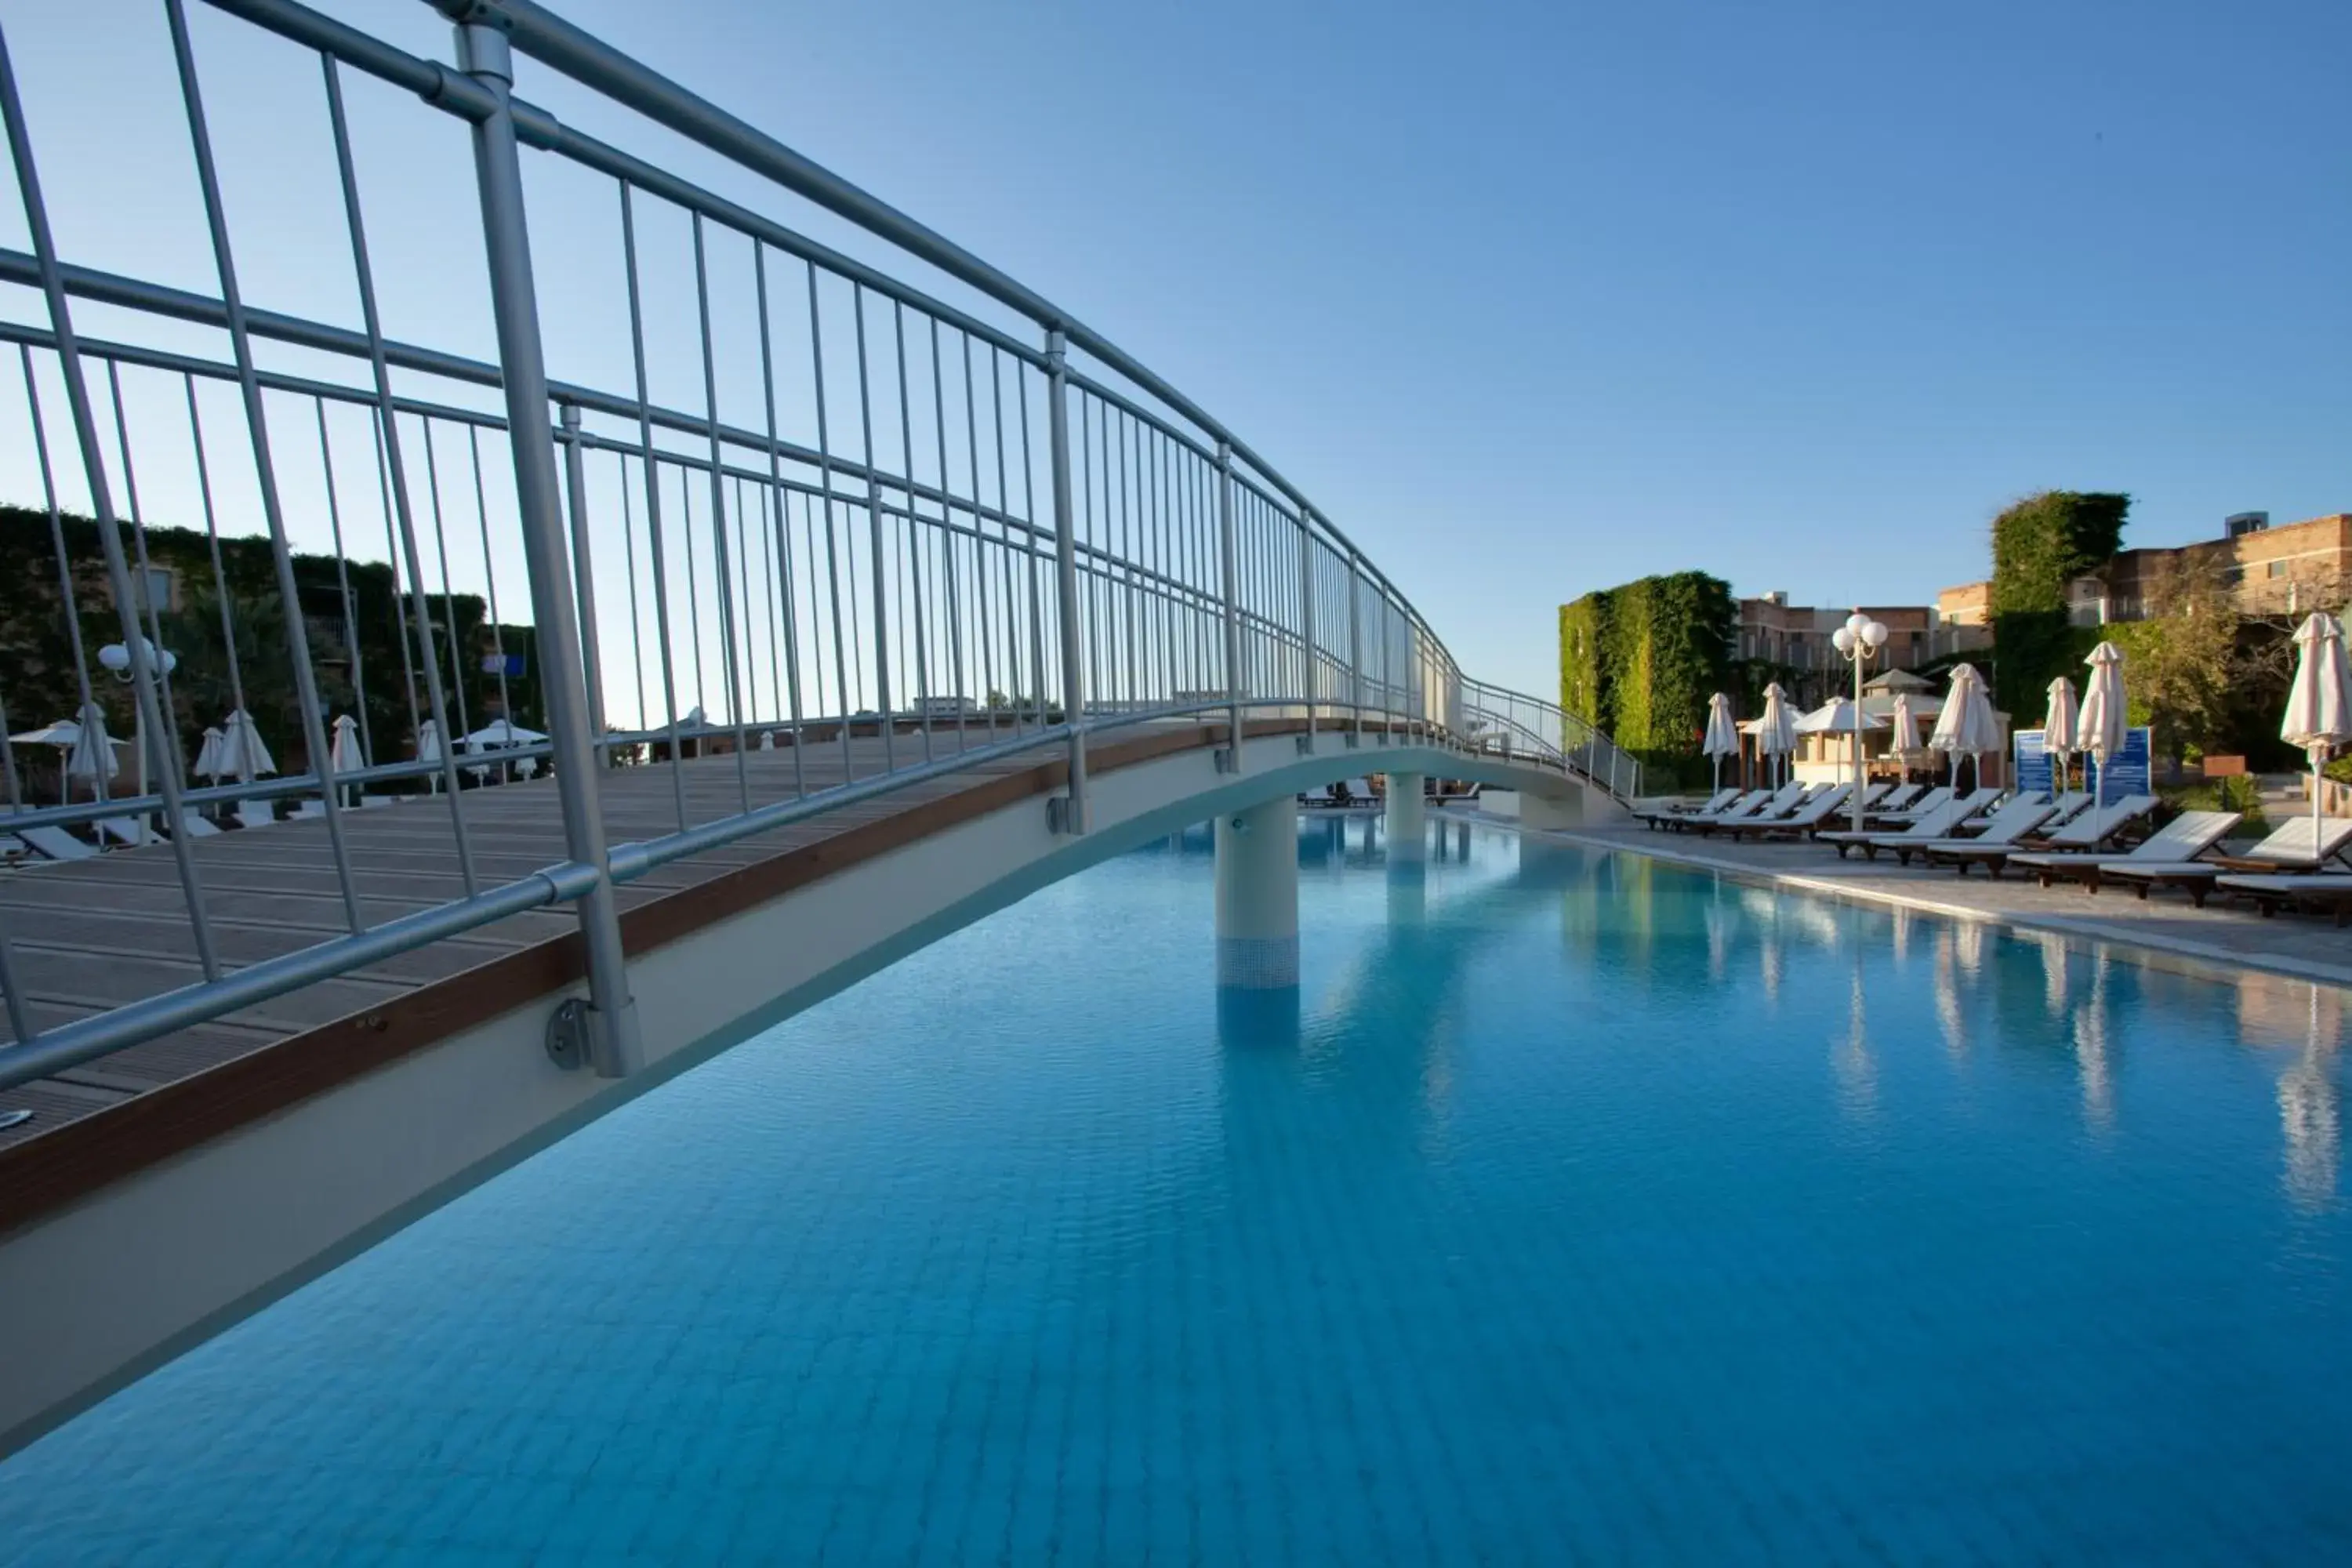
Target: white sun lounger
(2325, 892)
(1990, 848)
(2186, 837)
(1788, 798)
(2294, 846)
(1941, 822)
(1806, 819)
(57, 843)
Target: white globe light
(1841, 639)
(1856, 622)
(1874, 634)
(115, 657)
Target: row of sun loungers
(50, 842)
(2065, 840)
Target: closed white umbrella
(1776, 728)
(2319, 705)
(208, 764)
(428, 750)
(1967, 725)
(768, 741)
(1903, 725)
(2099, 728)
(2058, 728)
(92, 757)
(242, 753)
(345, 755)
(1722, 734)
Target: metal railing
(885, 534)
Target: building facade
(1794, 641)
(2289, 570)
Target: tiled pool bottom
(1587, 1211)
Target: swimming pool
(1579, 1207)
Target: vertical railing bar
(491, 578)
(889, 719)
(636, 611)
(1091, 630)
(1029, 514)
(731, 665)
(388, 432)
(212, 541)
(344, 581)
(297, 634)
(614, 1045)
(791, 626)
(392, 556)
(583, 576)
(67, 594)
(1230, 575)
(832, 562)
(947, 534)
(986, 642)
(167, 754)
(1004, 557)
(448, 595)
(1065, 574)
(917, 547)
(654, 550)
(69, 352)
(1306, 615)
(693, 599)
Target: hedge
(1642, 660)
(2040, 545)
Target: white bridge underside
(106, 1289)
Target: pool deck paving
(2224, 936)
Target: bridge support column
(1408, 819)
(1257, 896)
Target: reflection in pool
(1574, 1207)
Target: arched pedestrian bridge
(931, 596)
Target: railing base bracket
(1059, 818)
(1229, 759)
(1306, 745)
(1353, 740)
(567, 1034)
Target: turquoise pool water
(1579, 1209)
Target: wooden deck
(94, 934)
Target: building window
(160, 580)
(2277, 569)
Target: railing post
(1070, 815)
(613, 1043)
(575, 485)
(1306, 618)
(1229, 761)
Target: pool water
(1576, 1208)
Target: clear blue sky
(1537, 299)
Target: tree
(2183, 661)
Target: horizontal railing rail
(883, 538)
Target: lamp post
(1855, 641)
(116, 657)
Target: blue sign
(2033, 768)
(510, 666)
(2126, 772)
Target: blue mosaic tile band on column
(1257, 962)
(1605, 1214)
